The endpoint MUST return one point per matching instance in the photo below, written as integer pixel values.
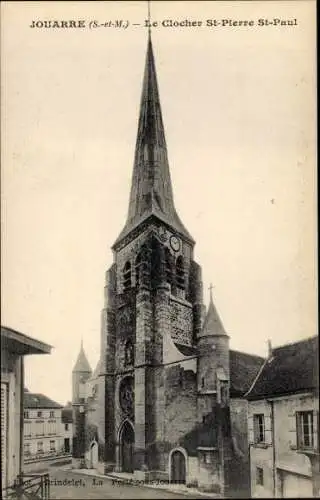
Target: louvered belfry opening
(127, 276)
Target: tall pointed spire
(151, 187)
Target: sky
(238, 105)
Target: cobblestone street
(75, 485)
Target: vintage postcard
(159, 281)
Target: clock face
(175, 243)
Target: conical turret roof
(82, 363)
(151, 187)
(212, 323)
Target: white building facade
(44, 429)
(283, 424)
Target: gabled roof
(151, 188)
(35, 400)
(292, 368)
(82, 363)
(243, 370)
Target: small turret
(213, 345)
(80, 374)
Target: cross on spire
(211, 287)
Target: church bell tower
(153, 300)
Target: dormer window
(127, 276)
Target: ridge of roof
(38, 400)
(292, 368)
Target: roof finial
(211, 287)
(149, 18)
(81, 346)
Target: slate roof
(20, 343)
(151, 188)
(32, 400)
(82, 363)
(243, 370)
(293, 368)
(186, 350)
(212, 323)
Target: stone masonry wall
(180, 404)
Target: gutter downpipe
(273, 449)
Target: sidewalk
(128, 479)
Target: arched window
(127, 276)
(180, 272)
(168, 266)
(128, 353)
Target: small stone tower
(213, 411)
(80, 375)
(213, 363)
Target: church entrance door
(127, 446)
(178, 467)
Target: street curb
(145, 485)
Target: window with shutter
(304, 429)
(4, 434)
(259, 428)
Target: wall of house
(261, 454)
(210, 473)
(284, 467)
(11, 385)
(238, 473)
(289, 461)
(43, 433)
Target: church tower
(153, 308)
(80, 374)
(166, 396)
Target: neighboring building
(14, 346)
(44, 431)
(67, 425)
(284, 423)
(167, 402)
